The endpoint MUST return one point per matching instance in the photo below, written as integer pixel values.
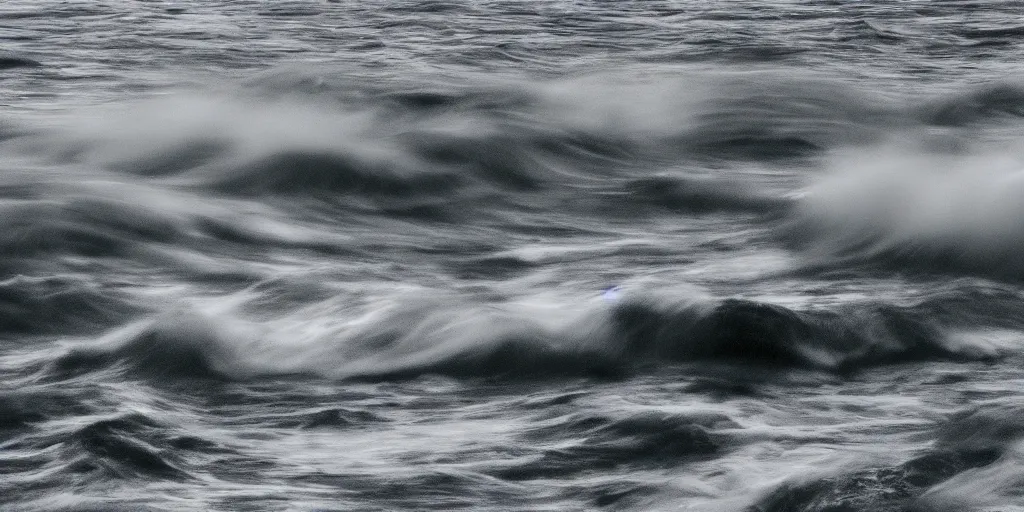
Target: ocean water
(753, 256)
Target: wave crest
(460, 340)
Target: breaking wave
(525, 342)
(498, 134)
(923, 212)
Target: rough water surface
(506, 255)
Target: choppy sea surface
(755, 256)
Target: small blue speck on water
(612, 294)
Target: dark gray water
(505, 255)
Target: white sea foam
(918, 210)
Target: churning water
(758, 256)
